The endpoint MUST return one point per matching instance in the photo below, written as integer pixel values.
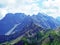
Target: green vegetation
(51, 37)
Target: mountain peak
(42, 20)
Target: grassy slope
(40, 39)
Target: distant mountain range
(10, 20)
(58, 19)
(45, 21)
(15, 25)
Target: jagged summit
(17, 25)
(10, 21)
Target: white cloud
(30, 7)
(2, 13)
(53, 7)
(24, 6)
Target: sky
(30, 7)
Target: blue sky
(30, 7)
